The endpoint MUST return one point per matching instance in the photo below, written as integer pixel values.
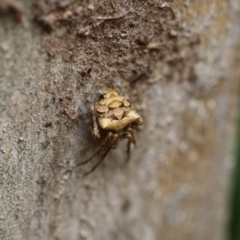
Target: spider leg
(128, 149)
(98, 163)
(93, 129)
(132, 135)
(103, 156)
(131, 139)
(102, 145)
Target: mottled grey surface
(176, 183)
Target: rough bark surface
(178, 63)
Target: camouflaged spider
(113, 120)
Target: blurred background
(234, 221)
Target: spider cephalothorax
(114, 119)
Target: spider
(113, 120)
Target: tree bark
(178, 63)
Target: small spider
(113, 120)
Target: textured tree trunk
(178, 61)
